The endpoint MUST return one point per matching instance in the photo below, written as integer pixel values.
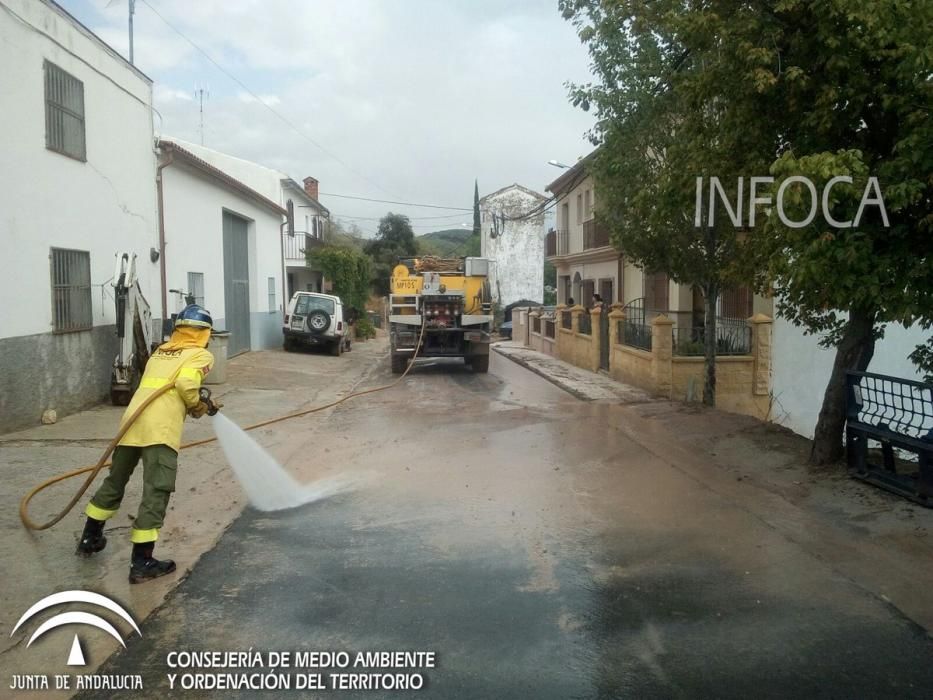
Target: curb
(541, 373)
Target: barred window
(196, 287)
(272, 294)
(64, 113)
(71, 290)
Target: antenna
(201, 92)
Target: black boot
(145, 567)
(92, 539)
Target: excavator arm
(134, 331)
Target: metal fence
(636, 335)
(733, 337)
(586, 324)
(896, 416)
(566, 320)
(535, 324)
(549, 328)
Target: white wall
(104, 205)
(800, 370)
(194, 207)
(577, 214)
(518, 252)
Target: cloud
(416, 98)
(162, 94)
(270, 100)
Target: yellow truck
(451, 298)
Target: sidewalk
(877, 540)
(587, 386)
(261, 385)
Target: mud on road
(543, 547)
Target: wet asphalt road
(541, 553)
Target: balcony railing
(557, 242)
(295, 246)
(595, 234)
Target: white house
(76, 186)
(800, 369)
(514, 241)
(309, 214)
(223, 244)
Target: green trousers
(160, 463)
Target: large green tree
(855, 82)
(476, 217)
(394, 239)
(819, 89)
(675, 100)
(350, 272)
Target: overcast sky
(416, 98)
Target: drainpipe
(284, 268)
(171, 158)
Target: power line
(389, 201)
(263, 102)
(412, 218)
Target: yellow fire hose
(104, 462)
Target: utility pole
(132, 12)
(201, 92)
(132, 8)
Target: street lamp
(557, 164)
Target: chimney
(310, 186)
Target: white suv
(315, 319)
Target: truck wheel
(399, 364)
(480, 363)
(336, 348)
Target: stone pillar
(576, 312)
(558, 324)
(615, 316)
(662, 353)
(574, 352)
(596, 328)
(761, 351)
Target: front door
(236, 282)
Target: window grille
(272, 294)
(64, 113)
(71, 290)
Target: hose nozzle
(205, 395)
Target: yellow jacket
(161, 423)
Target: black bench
(897, 414)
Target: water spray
(269, 490)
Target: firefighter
(154, 437)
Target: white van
(315, 319)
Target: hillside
(448, 242)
